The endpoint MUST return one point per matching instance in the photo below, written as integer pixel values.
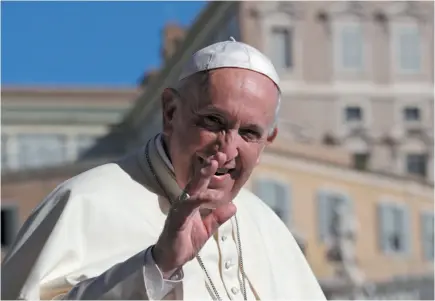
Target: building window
(350, 46)
(361, 161)
(393, 226)
(416, 164)
(408, 48)
(354, 114)
(276, 195)
(9, 223)
(36, 150)
(411, 114)
(4, 152)
(329, 204)
(281, 48)
(427, 233)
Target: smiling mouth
(220, 171)
(224, 171)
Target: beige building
(303, 183)
(42, 126)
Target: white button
(235, 290)
(228, 264)
(224, 238)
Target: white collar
(163, 154)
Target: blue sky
(85, 43)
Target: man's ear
(169, 107)
(271, 137)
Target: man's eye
(212, 121)
(250, 135)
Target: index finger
(202, 174)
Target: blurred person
(173, 220)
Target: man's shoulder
(107, 178)
(98, 175)
(102, 188)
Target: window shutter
(349, 204)
(282, 194)
(409, 49)
(406, 230)
(323, 214)
(289, 204)
(427, 235)
(274, 194)
(264, 191)
(352, 46)
(281, 48)
(385, 221)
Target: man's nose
(228, 144)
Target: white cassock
(90, 239)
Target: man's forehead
(229, 87)
(229, 54)
(226, 78)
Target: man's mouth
(224, 171)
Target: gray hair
(198, 83)
(275, 118)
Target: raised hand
(186, 231)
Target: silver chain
(242, 271)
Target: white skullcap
(230, 54)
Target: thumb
(218, 217)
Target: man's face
(232, 115)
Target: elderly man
(172, 221)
